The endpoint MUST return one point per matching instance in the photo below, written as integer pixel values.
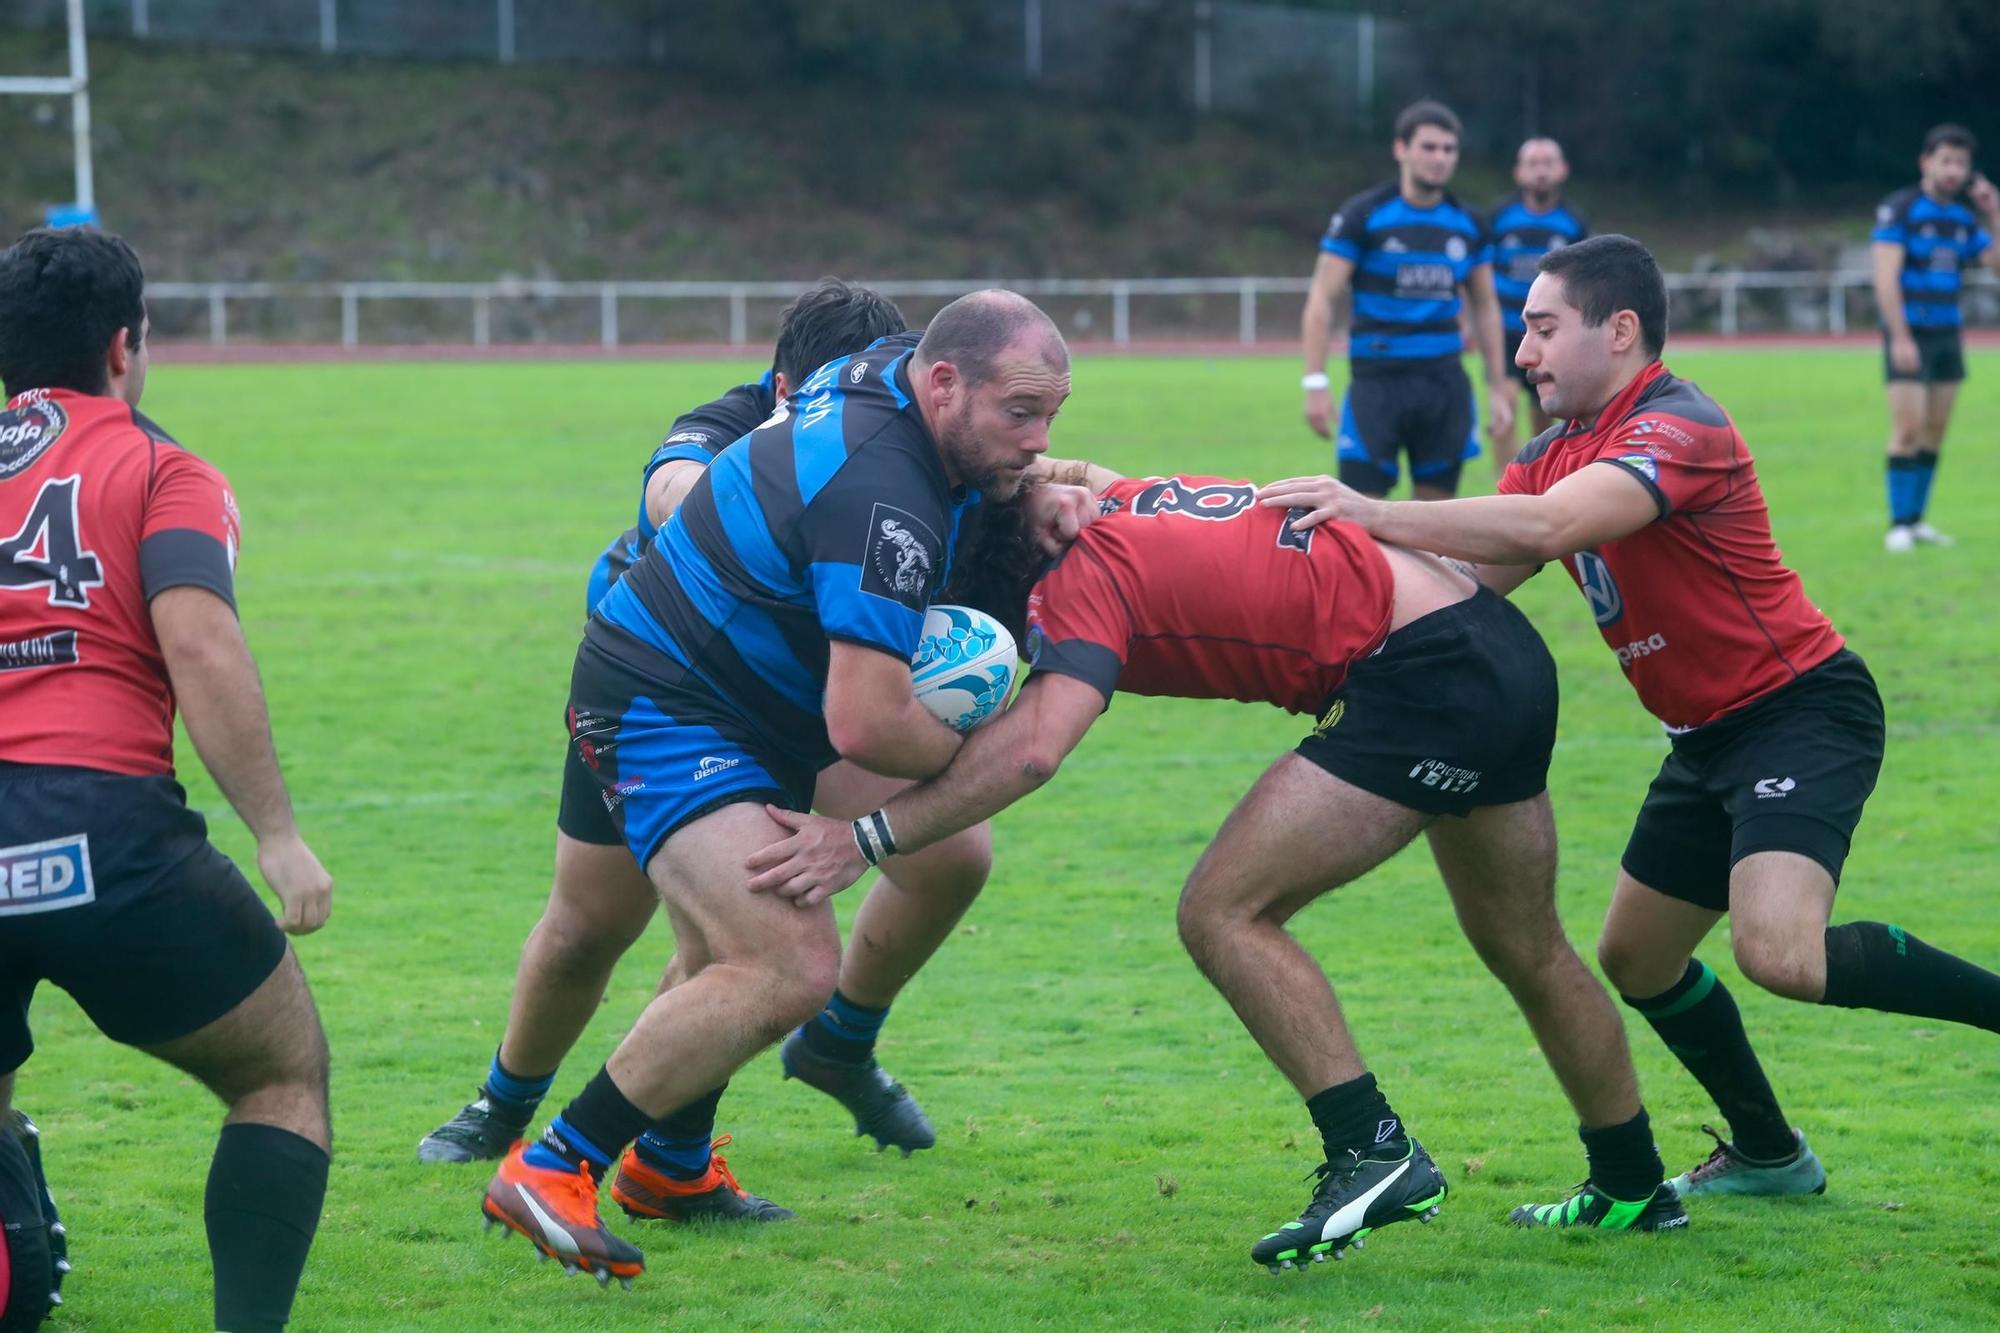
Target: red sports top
(1698, 605)
(1186, 587)
(99, 510)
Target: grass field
(1110, 1141)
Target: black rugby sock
(1624, 1163)
(1356, 1115)
(591, 1131)
(1699, 1022)
(1873, 966)
(265, 1188)
(678, 1144)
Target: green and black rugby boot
(881, 1107)
(1355, 1196)
(1588, 1206)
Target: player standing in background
(1406, 249)
(1648, 497)
(1925, 234)
(117, 603)
(601, 901)
(1525, 226)
(765, 633)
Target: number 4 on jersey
(48, 549)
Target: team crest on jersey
(1643, 464)
(26, 432)
(1455, 248)
(1599, 588)
(897, 564)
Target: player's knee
(801, 986)
(956, 867)
(1626, 966)
(1780, 967)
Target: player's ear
(1624, 330)
(118, 356)
(781, 385)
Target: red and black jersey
(1698, 605)
(100, 510)
(1187, 587)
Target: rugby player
(1436, 708)
(1924, 237)
(765, 633)
(1525, 226)
(117, 605)
(1649, 498)
(1407, 249)
(601, 901)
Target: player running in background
(767, 632)
(1523, 227)
(1649, 498)
(1436, 708)
(1406, 249)
(117, 604)
(1924, 236)
(601, 900)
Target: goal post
(76, 87)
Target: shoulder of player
(721, 422)
(1470, 218)
(1898, 204)
(1534, 450)
(1360, 206)
(1683, 400)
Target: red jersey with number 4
(99, 511)
(1698, 605)
(1187, 587)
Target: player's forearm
(222, 705)
(1888, 286)
(1316, 332)
(1487, 530)
(897, 742)
(1072, 472)
(998, 765)
(1486, 332)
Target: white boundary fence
(1708, 302)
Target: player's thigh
(1366, 444)
(848, 791)
(1649, 936)
(700, 873)
(272, 1037)
(1906, 415)
(599, 895)
(1939, 399)
(1499, 865)
(1299, 832)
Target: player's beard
(993, 481)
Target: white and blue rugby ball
(964, 666)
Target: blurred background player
(117, 604)
(1406, 249)
(1925, 234)
(601, 901)
(1523, 227)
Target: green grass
(1110, 1140)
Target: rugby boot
(31, 1141)
(1728, 1171)
(881, 1107)
(480, 1132)
(557, 1212)
(1588, 1206)
(1354, 1197)
(651, 1195)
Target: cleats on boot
(880, 1106)
(1354, 1196)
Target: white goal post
(76, 87)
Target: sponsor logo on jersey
(712, 764)
(1331, 717)
(1443, 777)
(859, 373)
(46, 876)
(1394, 246)
(27, 429)
(1642, 464)
(57, 649)
(1631, 652)
(897, 563)
(1601, 590)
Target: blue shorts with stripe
(1425, 412)
(649, 756)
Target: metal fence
(1120, 311)
(1218, 55)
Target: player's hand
(1500, 409)
(1903, 353)
(1314, 500)
(1985, 196)
(816, 862)
(299, 880)
(1319, 412)
(1057, 513)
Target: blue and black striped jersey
(834, 519)
(1938, 241)
(1408, 266)
(1520, 237)
(698, 436)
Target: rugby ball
(964, 666)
